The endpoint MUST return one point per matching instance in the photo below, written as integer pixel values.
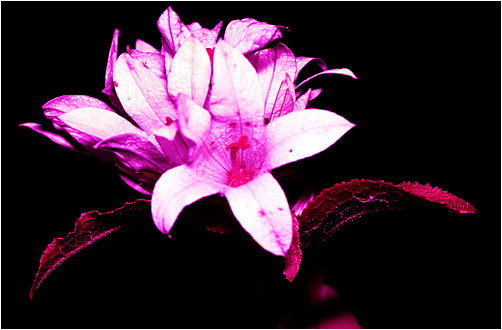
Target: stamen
(238, 174)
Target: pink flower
(236, 147)
(205, 119)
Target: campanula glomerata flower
(236, 147)
(203, 116)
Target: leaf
(90, 227)
(346, 202)
(436, 195)
(294, 256)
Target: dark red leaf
(436, 195)
(294, 256)
(90, 227)
(345, 202)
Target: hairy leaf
(346, 202)
(90, 227)
(294, 256)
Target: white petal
(99, 123)
(176, 189)
(248, 34)
(272, 65)
(65, 103)
(236, 91)
(190, 72)
(302, 134)
(205, 36)
(142, 92)
(194, 121)
(173, 31)
(145, 47)
(262, 209)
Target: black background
(427, 109)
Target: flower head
(203, 116)
(237, 148)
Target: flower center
(238, 173)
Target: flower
(201, 117)
(139, 137)
(236, 148)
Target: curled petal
(145, 47)
(142, 90)
(262, 209)
(302, 61)
(173, 31)
(236, 91)
(272, 65)
(112, 58)
(344, 71)
(52, 136)
(302, 134)
(177, 188)
(249, 35)
(190, 72)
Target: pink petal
(65, 103)
(206, 37)
(97, 123)
(112, 58)
(236, 91)
(141, 87)
(177, 188)
(145, 47)
(272, 65)
(346, 72)
(52, 136)
(194, 121)
(173, 31)
(190, 72)
(314, 94)
(303, 101)
(135, 152)
(284, 103)
(302, 61)
(134, 185)
(176, 148)
(262, 209)
(248, 35)
(302, 134)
